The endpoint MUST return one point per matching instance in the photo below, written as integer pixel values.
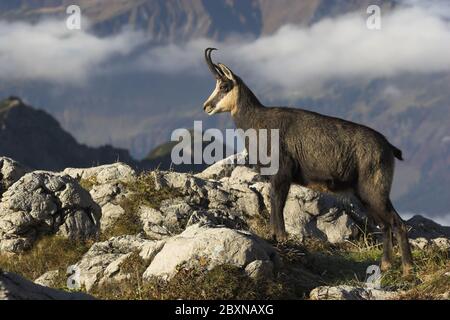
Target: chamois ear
(226, 71)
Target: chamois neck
(247, 105)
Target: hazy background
(135, 71)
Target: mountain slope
(36, 139)
(180, 20)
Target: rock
(175, 213)
(421, 227)
(102, 263)
(243, 193)
(419, 243)
(441, 243)
(308, 213)
(109, 196)
(48, 278)
(244, 175)
(215, 218)
(153, 222)
(223, 168)
(15, 287)
(345, 292)
(42, 203)
(213, 246)
(103, 174)
(10, 172)
(108, 188)
(150, 249)
(260, 269)
(423, 243)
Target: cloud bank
(49, 51)
(411, 40)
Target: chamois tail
(397, 152)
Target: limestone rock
(48, 278)
(345, 292)
(260, 269)
(103, 174)
(10, 172)
(103, 261)
(15, 287)
(223, 168)
(213, 246)
(42, 203)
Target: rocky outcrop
(226, 194)
(205, 224)
(197, 246)
(212, 247)
(107, 188)
(102, 263)
(239, 191)
(15, 287)
(344, 292)
(10, 172)
(42, 203)
(108, 173)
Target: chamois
(316, 149)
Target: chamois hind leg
(386, 259)
(375, 211)
(374, 193)
(280, 185)
(401, 234)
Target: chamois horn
(214, 68)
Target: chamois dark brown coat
(318, 149)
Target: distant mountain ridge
(170, 21)
(36, 139)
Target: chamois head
(225, 95)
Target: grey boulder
(43, 203)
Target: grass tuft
(49, 253)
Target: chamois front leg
(280, 185)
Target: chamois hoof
(386, 266)
(407, 270)
(281, 237)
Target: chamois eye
(224, 87)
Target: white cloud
(49, 51)
(411, 40)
